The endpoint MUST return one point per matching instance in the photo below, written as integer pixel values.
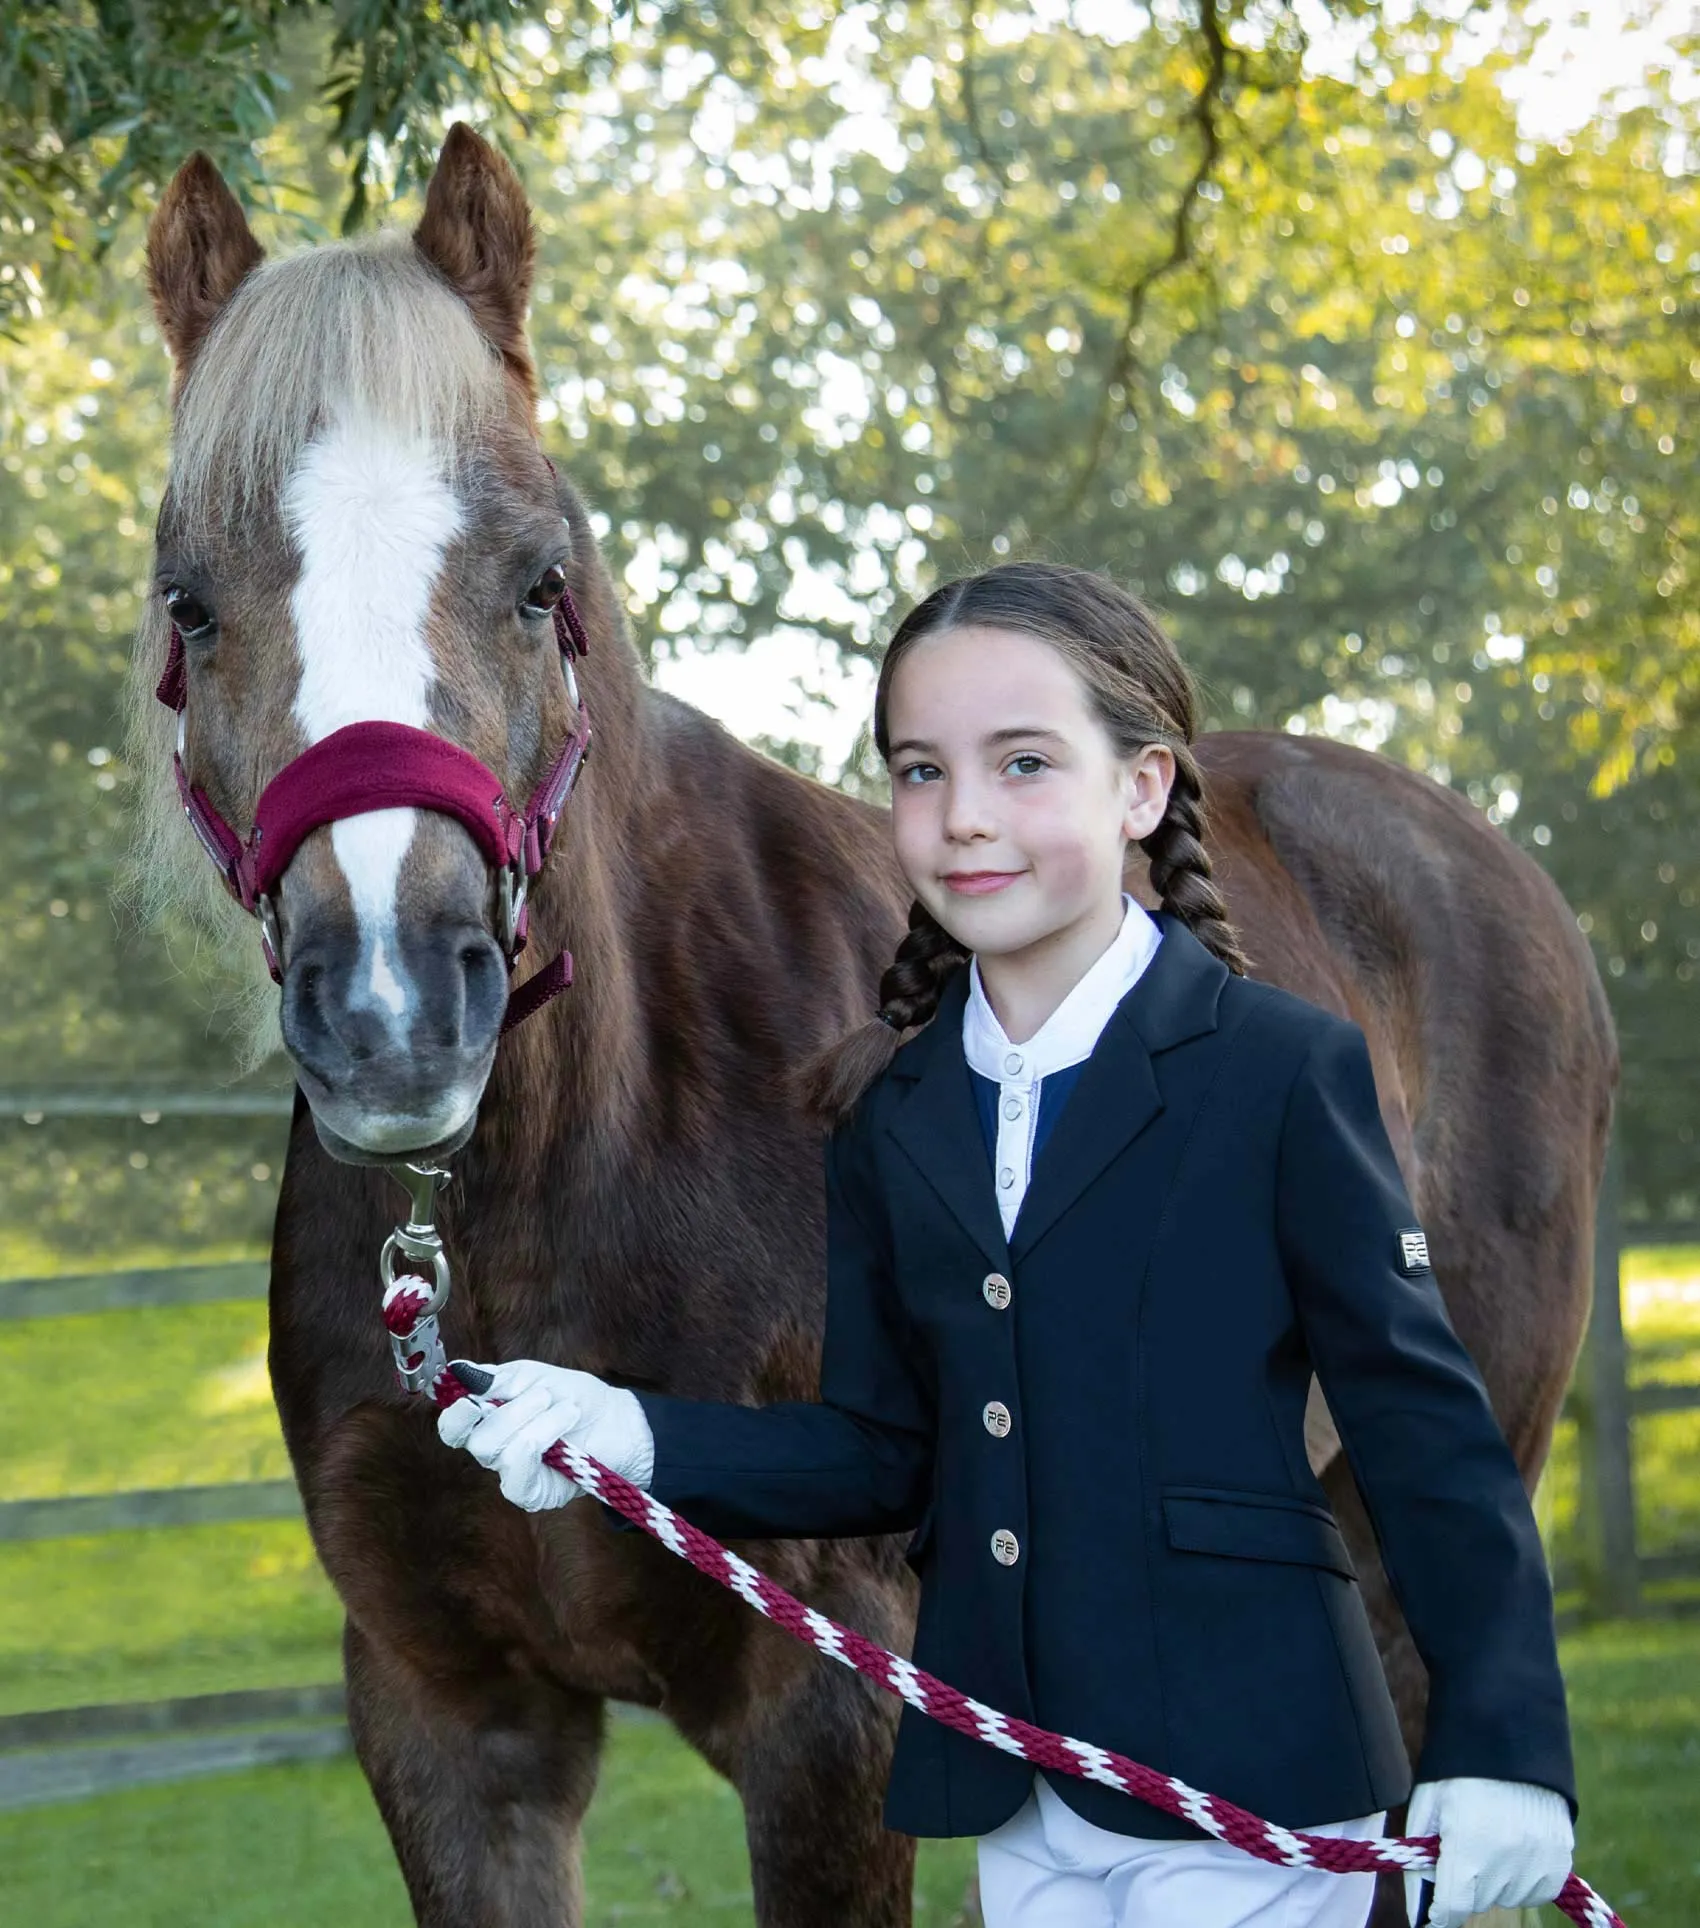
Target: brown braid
(1180, 866)
(915, 979)
(830, 1083)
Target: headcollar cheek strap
(217, 839)
(172, 689)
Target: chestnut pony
(360, 525)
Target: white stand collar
(1074, 1027)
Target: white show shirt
(1066, 1037)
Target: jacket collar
(1117, 1096)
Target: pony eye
(545, 592)
(189, 613)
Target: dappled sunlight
(168, 1396)
(237, 1388)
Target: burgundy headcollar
(383, 766)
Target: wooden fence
(70, 1753)
(55, 1755)
(1613, 1569)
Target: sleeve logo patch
(1413, 1252)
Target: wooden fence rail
(149, 1103)
(122, 1291)
(79, 1514)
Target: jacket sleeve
(1457, 1535)
(859, 1461)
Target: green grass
(142, 1616)
(158, 1396)
(1634, 1693)
(166, 1396)
(1662, 1315)
(297, 1847)
(24, 1254)
(179, 1395)
(1662, 1322)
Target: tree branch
(1202, 115)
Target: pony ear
(476, 231)
(200, 248)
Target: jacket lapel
(1117, 1095)
(938, 1126)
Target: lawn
(146, 1616)
(1634, 1693)
(157, 1396)
(179, 1395)
(664, 1841)
(296, 1847)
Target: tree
(1340, 370)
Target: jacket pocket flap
(1247, 1527)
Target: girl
(1097, 1205)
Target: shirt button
(1006, 1178)
(996, 1418)
(1006, 1548)
(1012, 1064)
(994, 1289)
(1012, 1107)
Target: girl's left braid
(1180, 865)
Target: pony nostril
(483, 988)
(480, 960)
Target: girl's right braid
(915, 979)
(1180, 866)
(830, 1084)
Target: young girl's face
(1011, 810)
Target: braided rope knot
(415, 1337)
(931, 1696)
(403, 1303)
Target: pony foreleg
(482, 1785)
(812, 1778)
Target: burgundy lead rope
(406, 1302)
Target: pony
(360, 525)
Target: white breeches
(1047, 1868)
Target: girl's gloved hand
(539, 1405)
(1503, 1844)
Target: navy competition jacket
(1096, 1429)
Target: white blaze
(371, 514)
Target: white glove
(538, 1405)
(1503, 1844)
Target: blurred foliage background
(1275, 311)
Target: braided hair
(1180, 866)
(1140, 691)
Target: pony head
(358, 526)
